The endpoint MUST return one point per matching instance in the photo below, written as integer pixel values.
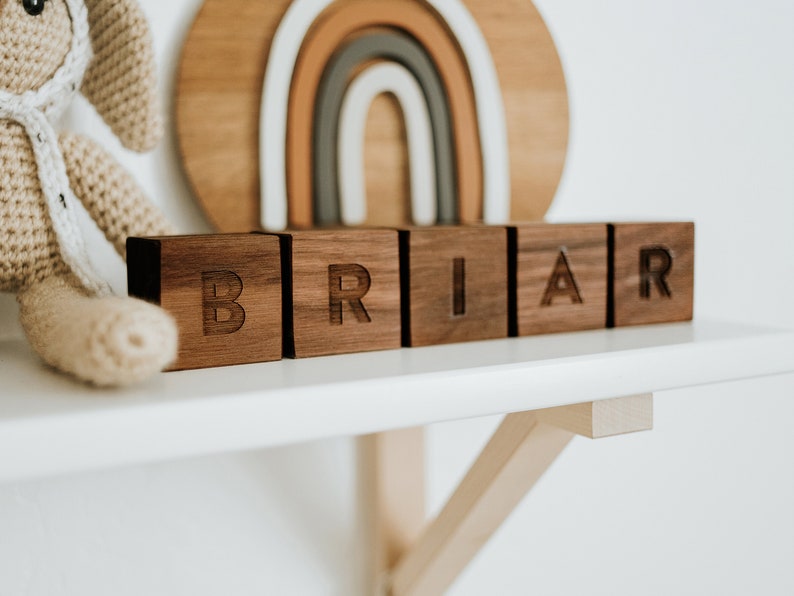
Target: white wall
(680, 110)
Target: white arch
(490, 109)
(386, 77)
(284, 51)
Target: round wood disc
(219, 94)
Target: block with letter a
(560, 277)
(652, 272)
(341, 292)
(224, 290)
(454, 284)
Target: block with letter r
(223, 290)
(341, 291)
(652, 272)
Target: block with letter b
(652, 272)
(341, 291)
(560, 277)
(454, 284)
(223, 290)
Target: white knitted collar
(37, 111)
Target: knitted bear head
(45, 39)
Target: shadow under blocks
(243, 298)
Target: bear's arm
(108, 192)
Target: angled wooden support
(605, 418)
(521, 450)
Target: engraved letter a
(561, 283)
(222, 314)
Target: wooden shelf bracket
(415, 557)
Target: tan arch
(418, 20)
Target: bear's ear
(121, 80)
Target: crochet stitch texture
(36, 110)
(104, 340)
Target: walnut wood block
(223, 290)
(454, 284)
(341, 291)
(652, 272)
(560, 277)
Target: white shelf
(50, 425)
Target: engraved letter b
(220, 290)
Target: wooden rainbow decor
(303, 113)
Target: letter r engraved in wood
(340, 292)
(459, 286)
(655, 264)
(343, 292)
(220, 291)
(561, 283)
(653, 272)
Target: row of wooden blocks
(241, 298)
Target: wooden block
(560, 278)
(224, 291)
(454, 284)
(652, 272)
(603, 418)
(341, 292)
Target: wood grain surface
(223, 290)
(653, 272)
(342, 291)
(454, 284)
(218, 95)
(561, 277)
(386, 164)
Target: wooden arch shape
(219, 94)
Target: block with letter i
(223, 290)
(560, 276)
(454, 284)
(341, 291)
(652, 272)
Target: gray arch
(330, 95)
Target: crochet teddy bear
(50, 50)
